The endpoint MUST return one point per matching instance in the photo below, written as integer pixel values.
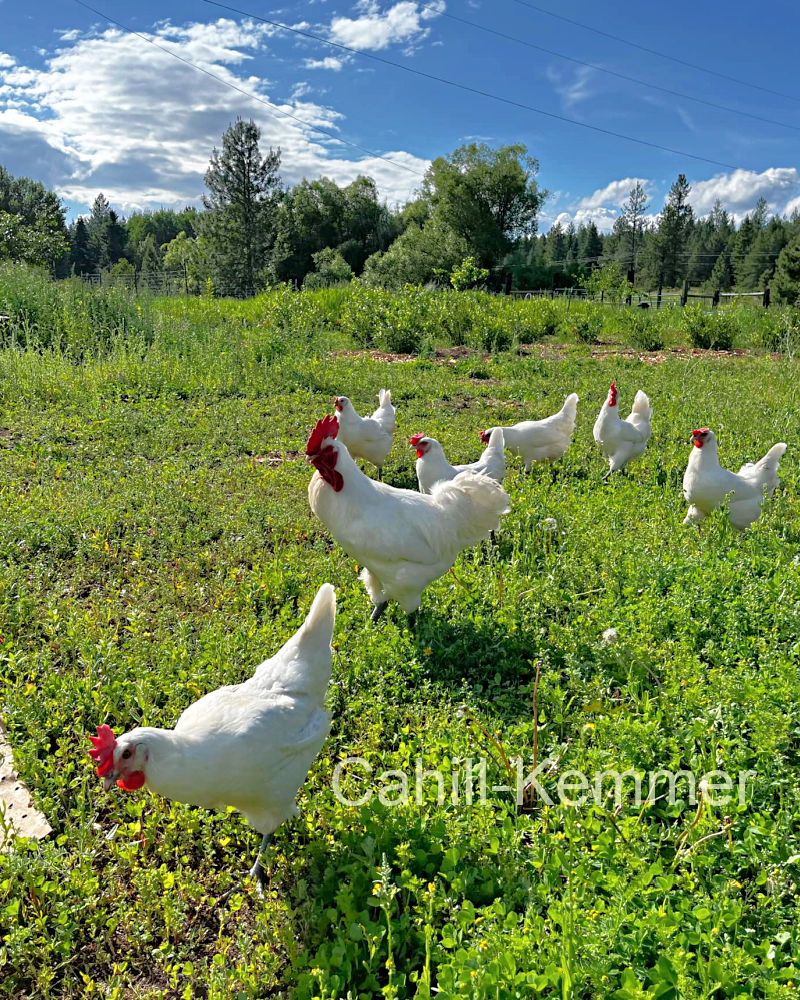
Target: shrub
(585, 324)
(710, 330)
(642, 330)
(781, 332)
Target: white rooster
(706, 483)
(432, 466)
(540, 440)
(246, 745)
(403, 539)
(369, 438)
(622, 440)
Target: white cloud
(109, 112)
(329, 62)
(572, 86)
(6, 60)
(602, 207)
(614, 194)
(376, 29)
(740, 190)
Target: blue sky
(86, 106)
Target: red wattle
(420, 453)
(131, 782)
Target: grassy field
(156, 543)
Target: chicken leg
(257, 871)
(378, 610)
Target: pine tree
(590, 246)
(786, 283)
(556, 246)
(674, 228)
(630, 225)
(238, 225)
(721, 278)
(152, 266)
(81, 256)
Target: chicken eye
(126, 754)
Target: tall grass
(77, 319)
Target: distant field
(156, 542)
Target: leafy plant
(641, 329)
(713, 329)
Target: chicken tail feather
(474, 504)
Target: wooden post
(658, 296)
(715, 299)
(766, 297)
(685, 292)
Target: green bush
(781, 332)
(713, 330)
(641, 329)
(584, 322)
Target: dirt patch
(601, 351)
(385, 356)
(554, 352)
(18, 815)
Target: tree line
(474, 221)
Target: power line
(655, 52)
(610, 72)
(253, 97)
(465, 87)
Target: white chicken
(432, 466)
(246, 745)
(369, 438)
(540, 440)
(622, 440)
(706, 483)
(403, 539)
(386, 415)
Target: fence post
(766, 297)
(685, 292)
(715, 299)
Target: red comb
(102, 752)
(702, 430)
(328, 427)
(415, 439)
(613, 387)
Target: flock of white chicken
(250, 745)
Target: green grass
(156, 542)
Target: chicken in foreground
(540, 440)
(706, 483)
(432, 466)
(403, 539)
(369, 438)
(246, 745)
(622, 440)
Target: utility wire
(466, 87)
(253, 97)
(655, 52)
(610, 72)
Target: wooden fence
(644, 300)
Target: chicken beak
(108, 781)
